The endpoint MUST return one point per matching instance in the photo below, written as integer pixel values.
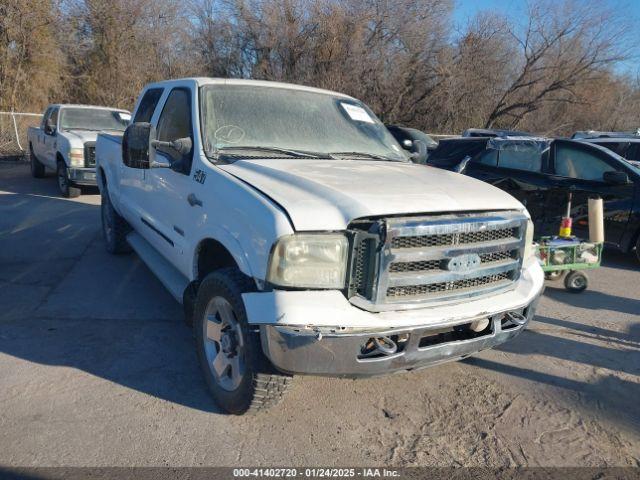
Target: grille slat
(425, 241)
(431, 288)
(427, 265)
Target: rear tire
(638, 248)
(114, 228)
(239, 376)
(37, 168)
(67, 190)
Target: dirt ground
(98, 369)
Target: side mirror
(182, 146)
(420, 155)
(615, 177)
(136, 143)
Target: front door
(172, 209)
(579, 168)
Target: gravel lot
(98, 369)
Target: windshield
(236, 116)
(93, 119)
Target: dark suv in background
(540, 172)
(624, 144)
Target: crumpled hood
(329, 194)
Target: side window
(488, 157)
(579, 164)
(53, 118)
(174, 123)
(633, 152)
(527, 160)
(44, 118)
(148, 105)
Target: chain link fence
(13, 134)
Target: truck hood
(329, 194)
(79, 137)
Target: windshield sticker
(356, 113)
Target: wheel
(638, 248)
(241, 379)
(555, 275)
(67, 190)
(114, 227)
(37, 169)
(576, 282)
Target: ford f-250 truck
(301, 239)
(65, 143)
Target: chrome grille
(90, 154)
(447, 257)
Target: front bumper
(322, 333)
(300, 351)
(83, 176)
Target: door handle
(193, 200)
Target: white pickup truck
(65, 143)
(301, 239)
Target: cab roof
(203, 81)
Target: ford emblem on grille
(462, 263)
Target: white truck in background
(65, 143)
(301, 239)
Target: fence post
(15, 128)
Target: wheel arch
(213, 254)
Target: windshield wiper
(293, 153)
(372, 156)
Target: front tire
(114, 228)
(240, 378)
(67, 190)
(37, 168)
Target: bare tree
(563, 45)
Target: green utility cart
(569, 258)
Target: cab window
(175, 123)
(520, 159)
(580, 164)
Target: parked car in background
(65, 143)
(627, 146)
(541, 172)
(301, 239)
(598, 134)
(407, 138)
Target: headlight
(76, 157)
(529, 248)
(309, 261)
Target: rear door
(520, 172)
(579, 168)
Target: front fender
(232, 245)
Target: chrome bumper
(295, 350)
(82, 176)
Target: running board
(168, 275)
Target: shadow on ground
(66, 302)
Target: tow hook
(515, 317)
(379, 346)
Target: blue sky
(466, 9)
